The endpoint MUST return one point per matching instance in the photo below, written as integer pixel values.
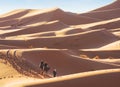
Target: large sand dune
(44, 15)
(115, 4)
(81, 40)
(14, 14)
(108, 77)
(84, 48)
(107, 12)
(104, 15)
(42, 27)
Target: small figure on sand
(46, 67)
(41, 65)
(54, 73)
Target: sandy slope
(115, 4)
(108, 24)
(103, 15)
(17, 67)
(107, 12)
(103, 54)
(14, 14)
(46, 15)
(110, 78)
(116, 32)
(80, 40)
(34, 56)
(55, 57)
(112, 46)
(7, 71)
(43, 27)
(114, 61)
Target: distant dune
(107, 12)
(115, 4)
(14, 14)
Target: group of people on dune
(45, 68)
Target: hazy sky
(67, 5)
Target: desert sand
(83, 48)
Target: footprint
(8, 76)
(20, 76)
(4, 77)
(11, 76)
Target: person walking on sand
(41, 65)
(46, 67)
(54, 73)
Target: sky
(76, 6)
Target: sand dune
(44, 27)
(113, 61)
(101, 54)
(87, 79)
(18, 66)
(8, 22)
(112, 24)
(116, 32)
(104, 15)
(14, 14)
(108, 12)
(73, 41)
(76, 41)
(7, 71)
(84, 48)
(55, 57)
(7, 47)
(50, 15)
(112, 46)
(115, 4)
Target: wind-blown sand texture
(84, 48)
